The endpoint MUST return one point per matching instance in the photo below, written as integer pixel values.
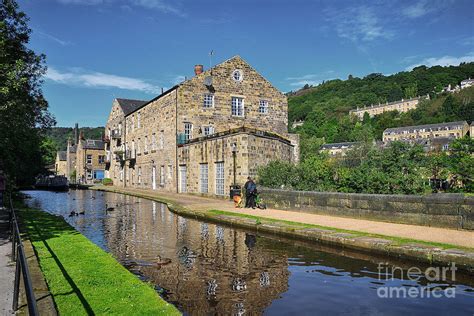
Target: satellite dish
(208, 81)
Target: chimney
(198, 69)
(76, 133)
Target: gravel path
(7, 268)
(463, 238)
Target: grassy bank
(82, 278)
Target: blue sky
(101, 49)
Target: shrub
(107, 181)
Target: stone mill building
(202, 134)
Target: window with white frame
(188, 131)
(162, 175)
(138, 119)
(139, 174)
(203, 177)
(263, 107)
(138, 146)
(208, 100)
(89, 159)
(153, 141)
(162, 140)
(170, 171)
(220, 178)
(101, 159)
(208, 130)
(89, 174)
(145, 144)
(237, 106)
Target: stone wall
(252, 151)
(439, 210)
(115, 122)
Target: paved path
(462, 238)
(7, 269)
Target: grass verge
(295, 225)
(82, 278)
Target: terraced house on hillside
(197, 136)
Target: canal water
(209, 269)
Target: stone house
(197, 136)
(441, 130)
(114, 130)
(90, 161)
(400, 106)
(60, 164)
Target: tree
(24, 115)
(461, 163)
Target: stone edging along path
(381, 245)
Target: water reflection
(208, 269)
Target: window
(162, 139)
(237, 106)
(145, 145)
(446, 147)
(138, 146)
(101, 159)
(153, 141)
(89, 174)
(89, 159)
(170, 171)
(220, 178)
(263, 106)
(182, 179)
(138, 119)
(237, 75)
(208, 100)
(162, 176)
(203, 177)
(139, 174)
(207, 130)
(188, 130)
(132, 125)
(121, 173)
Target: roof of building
(93, 144)
(427, 126)
(129, 105)
(467, 80)
(62, 155)
(339, 145)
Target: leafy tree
(48, 149)
(24, 112)
(461, 163)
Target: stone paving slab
(7, 267)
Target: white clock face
(237, 75)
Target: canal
(208, 269)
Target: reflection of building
(400, 106)
(429, 131)
(187, 138)
(90, 160)
(213, 269)
(61, 163)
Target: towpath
(463, 238)
(7, 268)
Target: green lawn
(82, 278)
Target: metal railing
(21, 270)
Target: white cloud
(82, 2)
(310, 79)
(54, 39)
(416, 10)
(443, 61)
(159, 5)
(358, 24)
(78, 77)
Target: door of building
(153, 177)
(182, 179)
